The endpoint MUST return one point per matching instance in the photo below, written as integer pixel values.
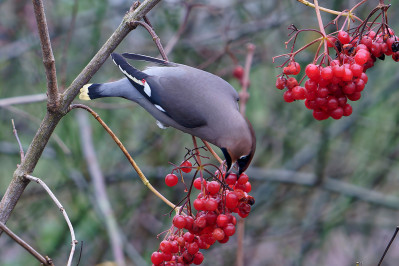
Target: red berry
(356, 69)
(229, 230)
(213, 187)
(179, 221)
(231, 179)
(171, 180)
(347, 110)
(243, 179)
(218, 234)
(299, 93)
(197, 183)
(295, 68)
(199, 204)
(338, 71)
(327, 73)
(337, 113)
(211, 204)
(332, 103)
(361, 57)
(348, 75)
(364, 77)
(231, 200)
(322, 92)
(222, 220)
(248, 187)
(355, 96)
(349, 88)
(188, 237)
(238, 72)
(312, 71)
(165, 246)
(281, 83)
(186, 166)
(311, 85)
(292, 82)
(288, 97)
(198, 258)
(343, 37)
(189, 222)
(320, 115)
(359, 84)
(192, 248)
(157, 258)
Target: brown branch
(21, 150)
(22, 243)
(155, 37)
(62, 209)
(51, 119)
(126, 153)
(48, 57)
(212, 151)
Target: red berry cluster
(213, 220)
(328, 89)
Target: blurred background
(326, 192)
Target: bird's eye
(244, 157)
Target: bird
(186, 98)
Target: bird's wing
(147, 59)
(168, 95)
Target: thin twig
(212, 151)
(61, 208)
(23, 99)
(48, 57)
(155, 37)
(25, 245)
(125, 152)
(389, 245)
(21, 150)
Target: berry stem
(334, 12)
(126, 153)
(321, 25)
(212, 151)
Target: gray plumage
(186, 98)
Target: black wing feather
(147, 59)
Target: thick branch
(25, 245)
(48, 57)
(50, 121)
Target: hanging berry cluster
(331, 83)
(212, 218)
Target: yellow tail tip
(84, 93)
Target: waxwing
(191, 100)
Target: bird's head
(241, 151)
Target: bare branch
(154, 37)
(25, 245)
(23, 99)
(61, 208)
(126, 153)
(21, 150)
(48, 57)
